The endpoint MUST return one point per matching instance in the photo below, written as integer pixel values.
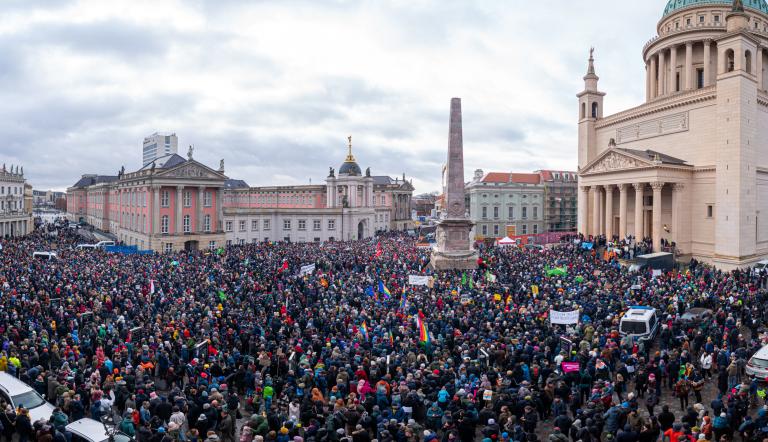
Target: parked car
(91, 430)
(696, 315)
(19, 394)
(757, 366)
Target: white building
(690, 165)
(158, 145)
(15, 203)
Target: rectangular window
(164, 200)
(511, 212)
(535, 213)
(495, 213)
(302, 224)
(484, 212)
(496, 229)
(535, 228)
(228, 226)
(187, 224)
(207, 199)
(316, 224)
(265, 224)
(701, 19)
(241, 241)
(187, 199)
(524, 229)
(485, 230)
(287, 239)
(241, 225)
(710, 210)
(317, 239)
(331, 224)
(254, 225)
(207, 223)
(699, 78)
(286, 224)
(525, 212)
(717, 19)
(229, 242)
(164, 224)
(168, 247)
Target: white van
(90, 430)
(45, 255)
(105, 243)
(639, 323)
(19, 394)
(86, 246)
(757, 366)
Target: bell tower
(736, 188)
(590, 110)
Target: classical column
(622, 211)
(657, 186)
(672, 69)
(639, 188)
(647, 80)
(609, 212)
(654, 91)
(689, 82)
(583, 202)
(596, 211)
(759, 67)
(155, 209)
(199, 213)
(707, 61)
(220, 213)
(179, 207)
(662, 73)
(677, 199)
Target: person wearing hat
(227, 426)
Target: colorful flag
(364, 331)
(384, 290)
(283, 268)
(152, 286)
(391, 339)
(369, 291)
(378, 250)
(403, 301)
(463, 279)
(423, 331)
(222, 296)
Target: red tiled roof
(526, 178)
(496, 177)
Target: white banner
(418, 280)
(556, 317)
(307, 269)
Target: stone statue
(3, 167)
(331, 172)
(367, 171)
(122, 171)
(190, 151)
(738, 6)
(22, 170)
(221, 165)
(152, 169)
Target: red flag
(284, 267)
(378, 250)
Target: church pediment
(614, 160)
(192, 170)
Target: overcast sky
(275, 87)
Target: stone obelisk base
(454, 252)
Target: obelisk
(454, 249)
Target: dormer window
(717, 19)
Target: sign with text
(570, 367)
(418, 280)
(307, 269)
(564, 318)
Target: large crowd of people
(240, 343)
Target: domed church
(688, 168)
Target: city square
(271, 279)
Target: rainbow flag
(423, 331)
(384, 290)
(391, 339)
(364, 331)
(403, 301)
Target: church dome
(677, 5)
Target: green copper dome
(676, 5)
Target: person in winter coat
(557, 436)
(227, 427)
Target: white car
(90, 430)
(757, 366)
(19, 394)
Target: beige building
(15, 203)
(690, 165)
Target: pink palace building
(175, 203)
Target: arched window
(748, 61)
(583, 110)
(594, 109)
(729, 66)
(164, 224)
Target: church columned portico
(638, 194)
